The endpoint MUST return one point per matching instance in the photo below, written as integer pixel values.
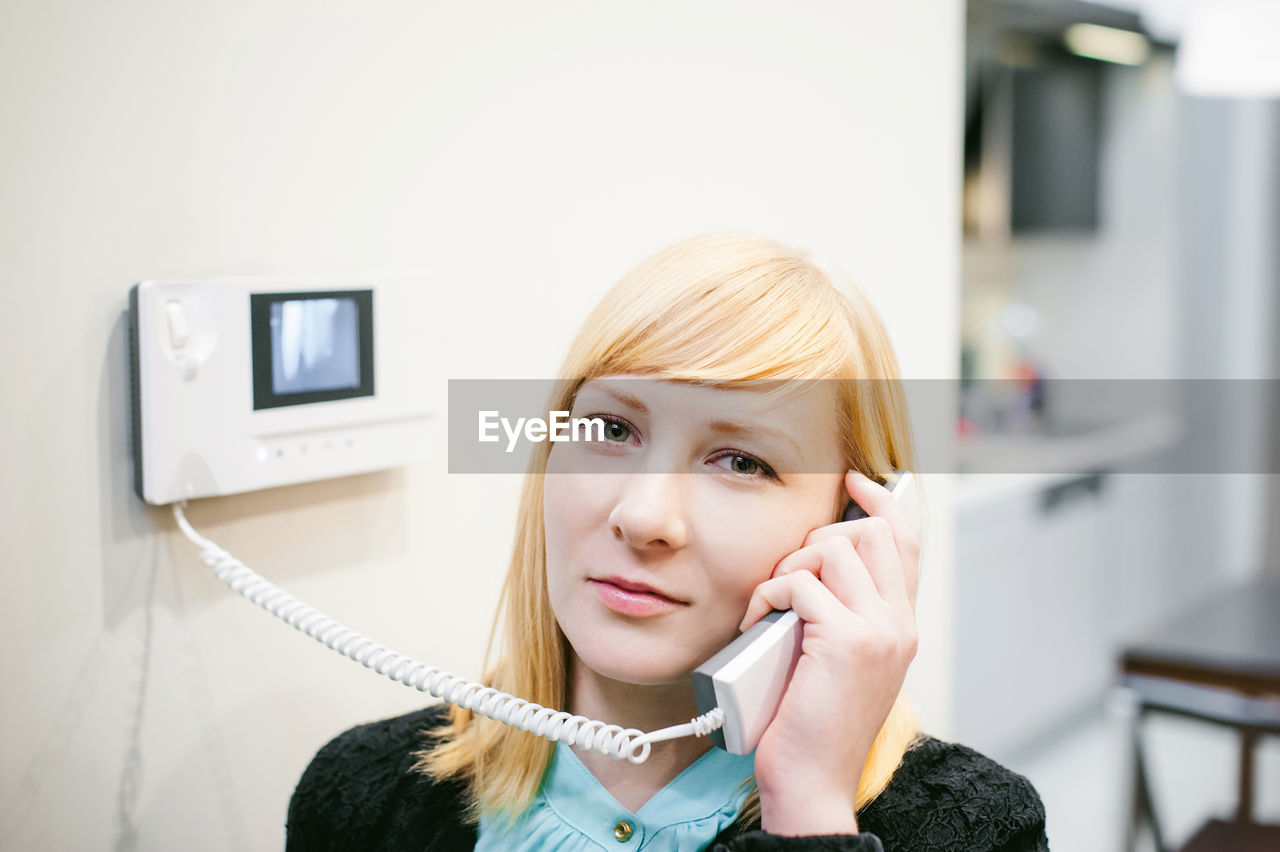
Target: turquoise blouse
(574, 813)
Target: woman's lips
(630, 598)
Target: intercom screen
(314, 345)
(311, 347)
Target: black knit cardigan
(359, 793)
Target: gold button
(622, 831)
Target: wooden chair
(1219, 663)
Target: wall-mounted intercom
(248, 383)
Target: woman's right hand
(853, 584)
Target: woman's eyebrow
(738, 430)
(625, 399)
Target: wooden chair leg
(1244, 807)
(1142, 808)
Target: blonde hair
(719, 308)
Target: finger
(874, 541)
(874, 498)
(807, 558)
(838, 565)
(800, 591)
(878, 501)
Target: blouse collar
(573, 806)
(700, 791)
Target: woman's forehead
(796, 405)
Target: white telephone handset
(749, 676)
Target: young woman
(747, 400)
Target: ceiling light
(1107, 43)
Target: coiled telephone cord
(586, 734)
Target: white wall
(528, 154)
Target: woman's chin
(647, 674)
(641, 656)
(652, 668)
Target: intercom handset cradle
(745, 681)
(748, 677)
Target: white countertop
(1048, 459)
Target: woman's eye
(615, 430)
(744, 465)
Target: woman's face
(657, 536)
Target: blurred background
(1120, 217)
(1028, 203)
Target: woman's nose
(650, 512)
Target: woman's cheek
(751, 547)
(732, 586)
